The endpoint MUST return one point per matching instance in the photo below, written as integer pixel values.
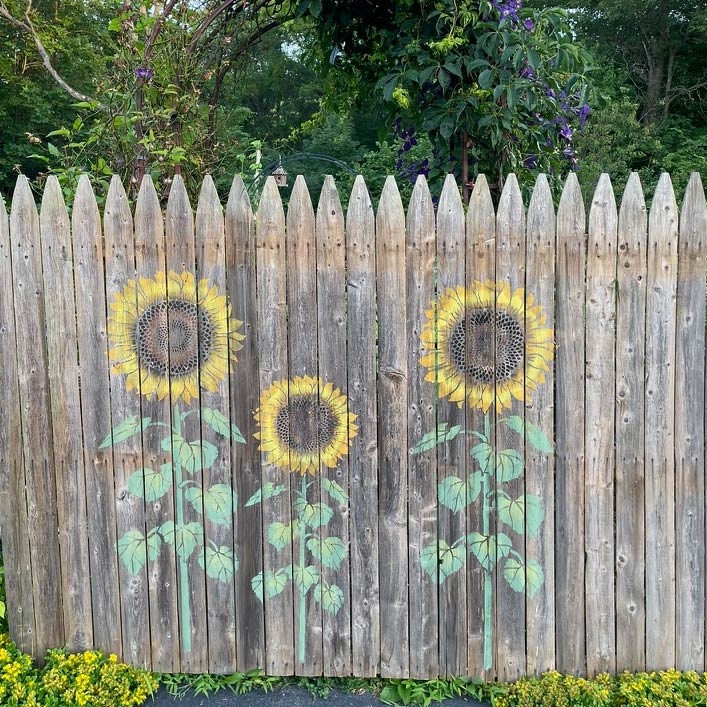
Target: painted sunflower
(491, 344)
(171, 334)
(302, 422)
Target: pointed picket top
(85, 209)
(481, 216)
(359, 214)
(180, 219)
(633, 217)
(239, 214)
(329, 207)
(391, 214)
(270, 218)
(300, 211)
(421, 214)
(238, 197)
(603, 217)
(540, 227)
(23, 211)
(511, 213)
(209, 215)
(53, 214)
(117, 214)
(571, 216)
(663, 217)
(148, 215)
(693, 217)
(450, 201)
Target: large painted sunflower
(302, 422)
(171, 334)
(491, 345)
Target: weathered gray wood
(452, 456)
(660, 423)
(690, 431)
(37, 447)
(599, 430)
(272, 328)
(127, 456)
(245, 391)
(363, 457)
(630, 428)
(63, 370)
(211, 266)
(539, 411)
(303, 361)
(422, 407)
(13, 503)
(392, 433)
(569, 432)
(480, 584)
(331, 302)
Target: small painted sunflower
(491, 345)
(170, 334)
(302, 422)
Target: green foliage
(179, 684)
(425, 692)
(3, 606)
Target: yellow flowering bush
(18, 676)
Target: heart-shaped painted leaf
(305, 577)
(473, 486)
(330, 597)
(534, 514)
(451, 559)
(532, 433)
(509, 465)
(125, 429)
(452, 493)
(483, 547)
(219, 502)
(221, 424)
(257, 585)
(334, 490)
(429, 561)
(522, 577)
(219, 562)
(149, 484)
(512, 512)
(313, 514)
(442, 434)
(193, 456)
(275, 582)
(185, 538)
(133, 549)
(331, 551)
(269, 490)
(483, 454)
(279, 534)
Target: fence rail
(354, 442)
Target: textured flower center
(306, 425)
(487, 345)
(171, 336)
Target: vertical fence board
(480, 580)
(569, 432)
(599, 430)
(690, 431)
(451, 456)
(30, 327)
(539, 464)
(13, 500)
(630, 430)
(422, 468)
(392, 433)
(63, 370)
(272, 328)
(660, 422)
(331, 300)
(363, 457)
(219, 504)
(240, 275)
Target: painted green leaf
(512, 512)
(483, 547)
(313, 514)
(452, 493)
(429, 561)
(473, 486)
(195, 497)
(269, 490)
(518, 576)
(533, 434)
(334, 490)
(221, 424)
(509, 465)
(451, 559)
(279, 534)
(127, 428)
(275, 582)
(193, 456)
(149, 484)
(305, 577)
(185, 538)
(534, 514)
(503, 545)
(257, 586)
(132, 550)
(483, 453)
(331, 551)
(219, 562)
(534, 577)
(443, 433)
(330, 597)
(219, 502)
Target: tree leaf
(219, 502)
(331, 551)
(279, 534)
(185, 538)
(509, 465)
(149, 484)
(483, 453)
(125, 429)
(193, 456)
(452, 493)
(132, 550)
(334, 490)
(330, 597)
(305, 577)
(268, 490)
(220, 563)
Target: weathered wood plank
(569, 432)
(63, 370)
(245, 391)
(660, 422)
(599, 430)
(331, 304)
(37, 445)
(392, 433)
(272, 328)
(13, 501)
(363, 457)
(422, 419)
(452, 456)
(480, 580)
(690, 430)
(630, 428)
(539, 411)
(124, 404)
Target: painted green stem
(302, 603)
(185, 610)
(488, 587)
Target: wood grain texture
(660, 427)
(630, 427)
(392, 433)
(363, 456)
(422, 408)
(599, 429)
(569, 432)
(539, 411)
(690, 430)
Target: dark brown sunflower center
(306, 425)
(487, 344)
(171, 336)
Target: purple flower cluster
(144, 72)
(508, 9)
(408, 142)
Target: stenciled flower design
(486, 345)
(171, 334)
(302, 422)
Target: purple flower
(566, 132)
(413, 141)
(568, 152)
(407, 146)
(583, 114)
(529, 25)
(144, 72)
(399, 164)
(550, 93)
(531, 161)
(527, 73)
(549, 142)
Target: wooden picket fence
(440, 444)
